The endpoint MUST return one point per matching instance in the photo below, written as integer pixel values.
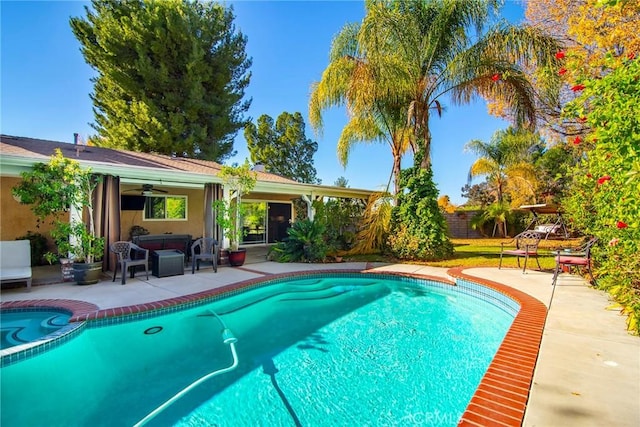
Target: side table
(167, 262)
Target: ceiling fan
(148, 190)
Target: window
(166, 208)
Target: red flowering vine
(621, 225)
(562, 71)
(603, 179)
(577, 141)
(578, 87)
(495, 77)
(560, 55)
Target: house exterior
(162, 194)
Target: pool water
(27, 325)
(316, 351)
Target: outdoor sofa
(156, 242)
(15, 261)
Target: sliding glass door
(265, 222)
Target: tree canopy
(587, 34)
(506, 161)
(170, 76)
(282, 147)
(411, 54)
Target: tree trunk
(397, 169)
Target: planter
(237, 257)
(66, 266)
(87, 273)
(223, 257)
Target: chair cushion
(519, 252)
(572, 260)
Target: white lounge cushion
(15, 273)
(15, 261)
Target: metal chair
(123, 250)
(204, 249)
(580, 257)
(526, 246)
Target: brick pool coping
(503, 392)
(502, 395)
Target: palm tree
(411, 53)
(506, 162)
(382, 121)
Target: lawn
(484, 253)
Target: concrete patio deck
(588, 368)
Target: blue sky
(45, 84)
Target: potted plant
(239, 180)
(53, 189)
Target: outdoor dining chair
(123, 251)
(569, 258)
(523, 245)
(204, 249)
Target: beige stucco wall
(15, 218)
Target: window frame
(165, 196)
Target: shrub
(306, 243)
(340, 218)
(418, 228)
(604, 200)
(39, 247)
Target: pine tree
(283, 147)
(170, 76)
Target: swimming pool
(22, 326)
(329, 350)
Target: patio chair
(204, 249)
(526, 246)
(124, 251)
(580, 257)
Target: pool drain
(153, 330)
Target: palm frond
(375, 225)
(358, 129)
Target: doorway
(278, 221)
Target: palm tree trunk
(424, 135)
(397, 169)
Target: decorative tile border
(503, 392)
(502, 395)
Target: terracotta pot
(237, 257)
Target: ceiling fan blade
(147, 190)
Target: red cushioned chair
(526, 246)
(578, 258)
